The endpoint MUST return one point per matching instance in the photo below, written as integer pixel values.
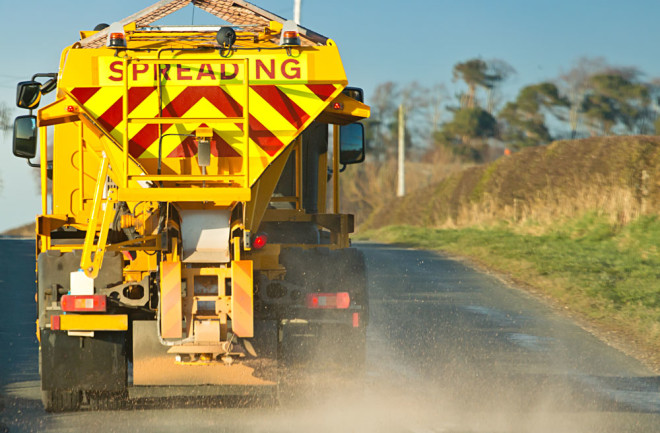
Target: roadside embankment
(574, 222)
(24, 231)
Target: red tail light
(340, 300)
(83, 303)
(338, 106)
(259, 241)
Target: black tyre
(356, 349)
(106, 400)
(60, 401)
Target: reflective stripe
(170, 299)
(242, 311)
(90, 322)
(279, 112)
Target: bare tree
(576, 81)
(436, 98)
(415, 100)
(384, 103)
(481, 73)
(5, 117)
(5, 123)
(498, 72)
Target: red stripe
(112, 116)
(137, 95)
(188, 147)
(242, 299)
(263, 137)
(193, 94)
(229, 107)
(220, 148)
(283, 104)
(323, 91)
(224, 102)
(178, 107)
(142, 140)
(83, 94)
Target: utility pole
(296, 11)
(401, 187)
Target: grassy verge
(606, 274)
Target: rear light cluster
(340, 300)
(83, 303)
(259, 241)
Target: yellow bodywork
(128, 124)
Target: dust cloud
(397, 394)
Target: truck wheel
(94, 365)
(60, 401)
(106, 400)
(354, 347)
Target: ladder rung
(208, 298)
(189, 178)
(219, 195)
(239, 62)
(178, 120)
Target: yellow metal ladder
(240, 184)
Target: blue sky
(380, 41)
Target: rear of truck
(187, 241)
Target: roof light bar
(116, 36)
(290, 34)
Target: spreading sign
(275, 69)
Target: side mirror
(351, 143)
(355, 93)
(25, 137)
(28, 94)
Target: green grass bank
(605, 275)
(575, 222)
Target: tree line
(590, 99)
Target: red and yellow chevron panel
(282, 101)
(242, 311)
(170, 299)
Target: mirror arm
(44, 75)
(49, 164)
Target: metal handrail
(160, 120)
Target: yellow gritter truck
(190, 236)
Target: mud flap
(83, 363)
(153, 366)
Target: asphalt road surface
(449, 350)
